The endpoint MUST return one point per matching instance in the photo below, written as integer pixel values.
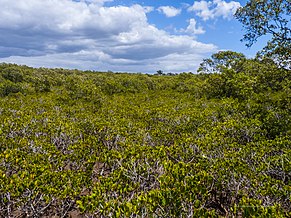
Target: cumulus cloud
(213, 9)
(88, 35)
(169, 11)
(148, 9)
(193, 28)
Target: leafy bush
(13, 74)
(9, 88)
(131, 145)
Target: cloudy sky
(118, 35)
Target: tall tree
(220, 61)
(268, 17)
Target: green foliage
(262, 17)
(9, 88)
(222, 60)
(14, 74)
(131, 145)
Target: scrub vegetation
(92, 144)
(213, 144)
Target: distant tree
(160, 72)
(221, 60)
(268, 17)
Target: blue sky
(119, 35)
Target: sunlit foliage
(78, 143)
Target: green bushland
(82, 143)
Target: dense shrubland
(76, 144)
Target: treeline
(243, 79)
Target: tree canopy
(268, 17)
(221, 60)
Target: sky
(119, 35)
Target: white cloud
(100, 2)
(94, 60)
(169, 11)
(88, 35)
(224, 9)
(193, 29)
(213, 9)
(148, 9)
